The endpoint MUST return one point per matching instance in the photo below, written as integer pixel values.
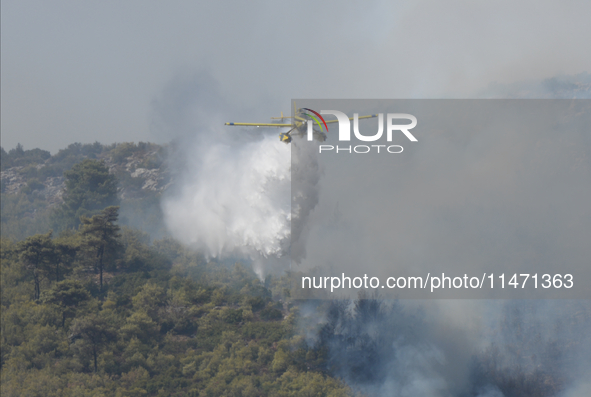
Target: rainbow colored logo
(316, 119)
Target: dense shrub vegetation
(94, 308)
(166, 322)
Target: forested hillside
(98, 301)
(34, 181)
(91, 307)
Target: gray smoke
(244, 193)
(306, 174)
(481, 348)
(235, 193)
(562, 86)
(458, 348)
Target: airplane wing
(281, 125)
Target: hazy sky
(86, 71)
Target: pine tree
(93, 331)
(38, 254)
(102, 236)
(89, 188)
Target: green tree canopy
(91, 333)
(38, 255)
(67, 295)
(21, 157)
(89, 189)
(102, 236)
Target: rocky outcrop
(12, 180)
(135, 179)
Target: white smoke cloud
(233, 197)
(235, 200)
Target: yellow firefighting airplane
(299, 124)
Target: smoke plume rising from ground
(56, 55)
(463, 348)
(455, 348)
(235, 199)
